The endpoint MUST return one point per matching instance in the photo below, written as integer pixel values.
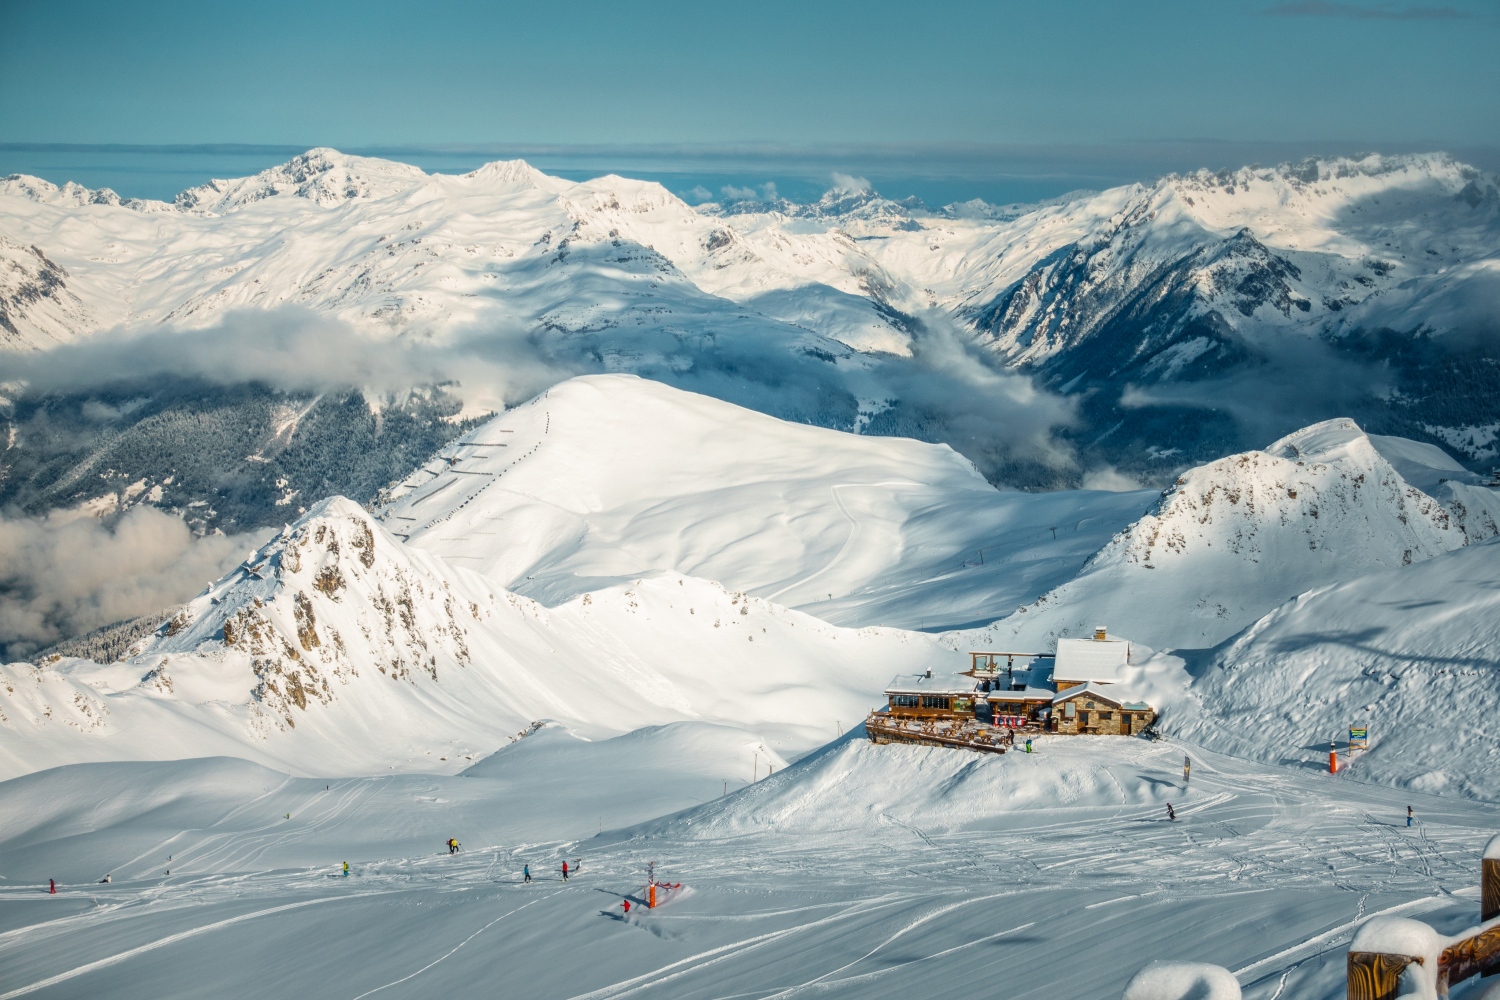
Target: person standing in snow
(346, 869)
(525, 873)
(52, 886)
(1171, 813)
(565, 871)
(1408, 815)
(626, 903)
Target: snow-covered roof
(1090, 659)
(1025, 694)
(935, 684)
(1102, 692)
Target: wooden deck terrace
(882, 728)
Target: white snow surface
(693, 720)
(1233, 539)
(1408, 653)
(605, 478)
(1183, 981)
(335, 650)
(1268, 873)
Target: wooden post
(1386, 950)
(1489, 881)
(1376, 976)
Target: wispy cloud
(1329, 8)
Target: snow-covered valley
(579, 522)
(624, 623)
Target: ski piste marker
(652, 886)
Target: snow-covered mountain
(335, 649)
(606, 478)
(1180, 320)
(1408, 653)
(1233, 539)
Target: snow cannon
(1183, 981)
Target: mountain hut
(1089, 709)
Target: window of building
(1106, 716)
(1083, 718)
(934, 701)
(1071, 711)
(903, 701)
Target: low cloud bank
(65, 575)
(297, 350)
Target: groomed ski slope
(1058, 875)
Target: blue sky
(808, 73)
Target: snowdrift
(1236, 537)
(604, 478)
(854, 784)
(1409, 653)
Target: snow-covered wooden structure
(1393, 957)
(1098, 660)
(1005, 693)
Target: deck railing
(882, 728)
(1394, 958)
(1390, 958)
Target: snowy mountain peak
(323, 176)
(327, 597)
(1327, 441)
(1234, 538)
(71, 194)
(518, 173)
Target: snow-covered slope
(819, 312)
(392, 249)
(605, 478)
(1409, 653)
(1237, 537)
(334, 649)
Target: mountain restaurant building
(927, 696)
(1090, 710)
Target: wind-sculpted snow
(605, 478)
(1235, 538)
(1408, 653)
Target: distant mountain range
(1164, 325)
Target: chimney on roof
(929, 672)
(1100, 633)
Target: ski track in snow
(1267, 871)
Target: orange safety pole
(1333, 762)
(651, 902)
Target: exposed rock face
(317, 604)
(36, 305)
(1233, 539)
